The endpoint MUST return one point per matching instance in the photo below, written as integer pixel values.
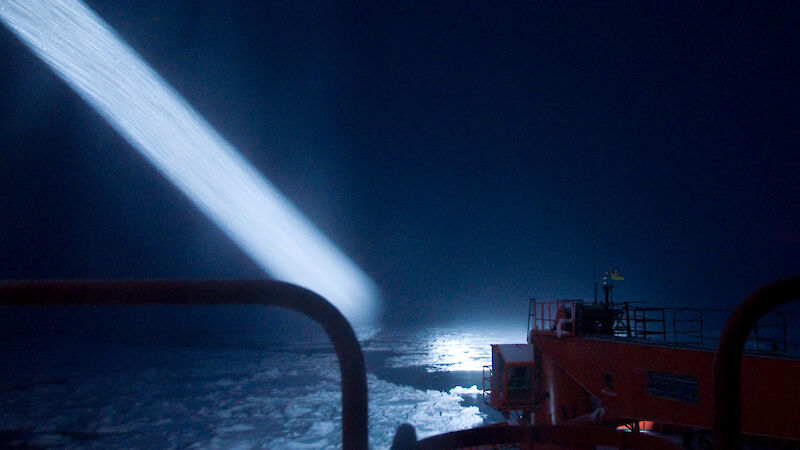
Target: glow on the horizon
(455, 352)
(88, 55)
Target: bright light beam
(85, 52)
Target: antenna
(594, 253)
(594, 243)
(608, 284)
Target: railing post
(674, 328)
(644, 323)
(701, 328)
(530, 306)
(628, 317)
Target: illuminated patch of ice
(472, 390)
(365, 333)
(295, 410)
(430, 412)
(442, 349)
(322, 428)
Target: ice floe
(223, 399)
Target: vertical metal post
(701, 328)
(628, 318)
(644, 323)
(531, 305)
(674, 328)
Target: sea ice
(225, 399)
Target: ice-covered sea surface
(81, 394)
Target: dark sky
(457, 152)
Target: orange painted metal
(634, 381)
(565, 399)
(554, 318)
(510, 381)
(549, 437)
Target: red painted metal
(510, 378)
(553, 436)
(218, 292)
(730, 368)
(616, 373)
(554, 318)
(565, 399)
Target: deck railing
(688, 327)
(220, 292)
(552, 318)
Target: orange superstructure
(615, 366)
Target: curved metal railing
(221, 292)
(728, 359)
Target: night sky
(459, 153)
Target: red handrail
(728, 358)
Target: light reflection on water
(225, 396)
(458, 352)
(443, 349)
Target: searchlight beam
(89, 56)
